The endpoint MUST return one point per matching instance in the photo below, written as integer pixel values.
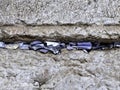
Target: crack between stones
(57, 24)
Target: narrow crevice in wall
(57, 24)
(28, 38)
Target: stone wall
(60, 20)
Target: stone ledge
(60, 33)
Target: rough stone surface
(75, 70)
(64, 20)
(59, 12)
(63, 33)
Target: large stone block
(40, 12)
(64, 20)
(71, 70)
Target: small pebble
(36, 84)
(11, 46)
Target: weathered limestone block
(40, 12)
(60, 20)
(74, 70)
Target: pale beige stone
(71, 70)
(38, 12)
(59, 20)
(62, 33)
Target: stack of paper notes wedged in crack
(55, 47)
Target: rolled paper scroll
(84, 45)
(12, 46)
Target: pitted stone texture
(71, 70)
(63, 33)
(40, 12)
